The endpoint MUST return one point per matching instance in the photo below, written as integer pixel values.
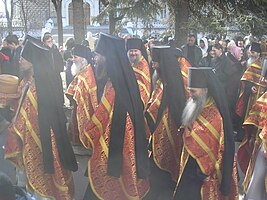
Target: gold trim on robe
(205, 143)
(83, 89)
(97, 131)
(252, 75)
(166, 139)
(257, 118)
(24, 149)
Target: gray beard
(193, 109)
(134, 60)
(77, 67)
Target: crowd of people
(160, 122)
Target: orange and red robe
(256, 123)
(166, 139)
(23, 148)
(205, 143)
(97, 131)
(83, 90)
(251, 75)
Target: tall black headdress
(50, 105)
(255, 47)
(127, 99)
(173, 86)
(204, 77)
(136, 43)
(82, 51)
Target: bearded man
(207, 161)
(118, 167)
(252, 87)
(82, 93)
(164, 119)
(137, 56)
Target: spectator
(191, 50)
(70, 43)
(13, 45)
(203, 44)
(58, 60)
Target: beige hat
(8, 87)
(8, 84)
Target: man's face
(11, 46)
(194, 105)
(134, 55)
(217, 52)
(100, 67)
(195, 93)
(191, 41)
(77, 59)
(78, 64)
(254, 54)
(49, 42)
(212, 53)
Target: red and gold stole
(167, 141)
(128, 186)
(252, 74)
(184, 65)
(97, 131)
(85, 96)
(142, 74)
(257, 118)
(24, 149)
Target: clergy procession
(133, 119)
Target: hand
(254, 89)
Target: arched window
(87, 13)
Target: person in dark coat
(13, 45)
(191, 50)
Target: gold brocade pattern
(167, 145)
(252, 75)
(84, 92)
(128, 186)
(166, 140)
(203, 144)
(25, 135)
(184, 65)
(257, 118)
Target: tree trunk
(9, 18)
(181, 21)
(78, 21)
(112, 22)
(181, 12)
(59, 24)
